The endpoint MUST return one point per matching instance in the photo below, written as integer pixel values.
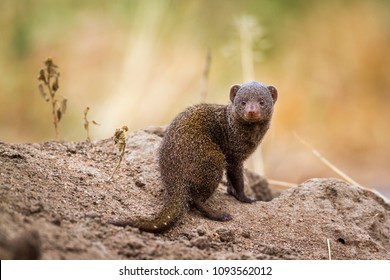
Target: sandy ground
(55, 201)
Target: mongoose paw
(242, 198)
(226, 217)
(246, 199)
(222, 217)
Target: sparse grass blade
(283, 184)
(328, 163)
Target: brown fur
(200, 144)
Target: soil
(56, 199)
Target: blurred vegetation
(141, 62)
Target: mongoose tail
(173, 209)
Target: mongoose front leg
(235, 180)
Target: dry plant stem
(53, 110)
(86, 124)
(247, 28)
(328, 163)
(329, 253)
(120, 160)
(205, 77)
(48, 90)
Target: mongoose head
(253, 101)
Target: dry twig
(86, 123)
(329, 253)
(249, 31)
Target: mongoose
(200, 144)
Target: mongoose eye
(262, 102)
(243, 103)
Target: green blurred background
(141, 62)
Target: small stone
(201, 242)
(201, 231)
(246, 234)
(225, 235)
(139, 183)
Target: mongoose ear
(233, 91)
(274, 93)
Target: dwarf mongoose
(200, 144)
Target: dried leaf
(120, 136)
(59, 114)
(43, 93)
(48, 89)
(117, 135)
(41, 76)
(51, 67)
(55, 85)
(52, 72)
(63, 105)
(49, 63)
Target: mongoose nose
(251, 111)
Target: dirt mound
(55, 199)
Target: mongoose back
(200, 144)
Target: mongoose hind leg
(211, 213)
(201, 194)
(205, 180)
